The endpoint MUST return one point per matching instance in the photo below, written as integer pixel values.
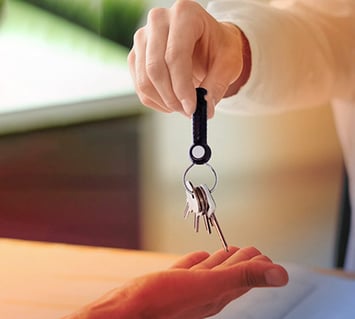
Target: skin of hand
(181, 48)
(198, 285)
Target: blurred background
(82, 162)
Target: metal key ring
(189, 168)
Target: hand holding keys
(199, 200)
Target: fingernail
(274, 277)
(188, 107)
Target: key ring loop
(185, 181)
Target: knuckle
(171, 55)
(154, 69)
(172, 105)
(251, 251)
(131, 57)
(143, 86)
(139, 35)
(145, 100)
(249, 278)
(156, 14)
(181, 7)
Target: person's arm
(179, 49)
(303, 52)
(196, 286)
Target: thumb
(216, 88)
(230, 66)
(217, 82)
(259, 274)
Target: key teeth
(207, 224)
(197, 223)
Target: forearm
(301, 56)
(123, 303)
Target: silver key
(192, 204)
(195, 205)
(210, 212)
(200, 203)
(211, 204)
(207, 208)
(207, 223)
(202, 207)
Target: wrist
(246, 62)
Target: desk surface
(47, 280)
(44, 280)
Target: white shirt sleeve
(303, 52)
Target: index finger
(185, 30)
(190, 260)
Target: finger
(266, 276)
(144, 88)
(217, 258)
(262, 258)
(185, 30)
(241, 255)
(154, 106)
(157, 70)
(252, 274)
(131, 61)
(143, 98)
(190, 260)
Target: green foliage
(116, 20)
(120, 19)
(2, 2)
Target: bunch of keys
(199, 200)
